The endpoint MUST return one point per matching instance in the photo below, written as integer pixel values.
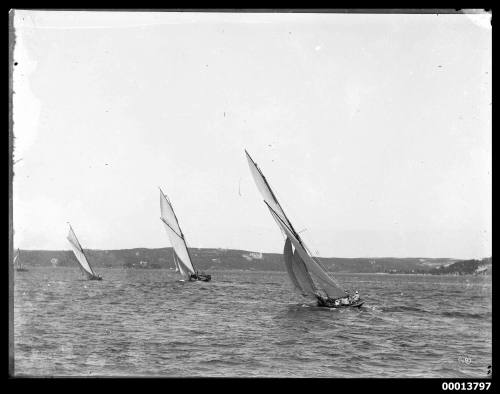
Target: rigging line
(170, 227)
(288, 226)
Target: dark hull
(95, 278)
(201, 278)
(331, 304)
(21, 269)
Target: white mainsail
(79, 254)
(177, 239)
(16, 257)
(311, 268)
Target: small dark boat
(200, 276)
(330, 303)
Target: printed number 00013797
(466, 385)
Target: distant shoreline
(231, 259)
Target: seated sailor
(356, 296)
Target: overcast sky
(373, 130)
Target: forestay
(79, 254)
(176, 236)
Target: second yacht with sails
(182, 257)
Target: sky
(374, 131)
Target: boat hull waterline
(331, 304)
(200, 277)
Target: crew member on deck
(356, 296)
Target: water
(244, 324)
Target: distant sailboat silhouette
(81, 258)
(308, 276)
(17, 262)
(182, 258)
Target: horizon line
(252, 251)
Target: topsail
(177, 239)
(306, 273)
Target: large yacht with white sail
(308, 276)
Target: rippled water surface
(243, 324)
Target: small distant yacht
(17, 262)
(182, 258)
(83, 262)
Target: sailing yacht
(309, 277)
(83, 262)
(182, 258)
(17, 262)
